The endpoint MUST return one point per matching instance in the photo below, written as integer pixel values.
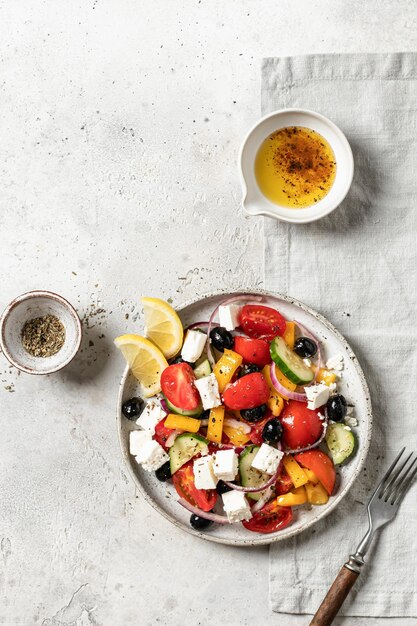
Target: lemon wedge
(145, 360)
(163, 326)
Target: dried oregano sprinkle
(43, 336)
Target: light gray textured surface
(120, 126)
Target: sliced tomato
(322, 466)
(270, 518)
(257, 428)
(184, 484)
(253, 350)
(177, 384)
(246, 392)
(261, 321)
(302, 427)
(162, 433)
(284, 484)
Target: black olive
(205, 415)
(249, 368)
(255, 414)
(163, 473)
(336, 408)
(178, 359)
(305, 347)
(272, 431)
(132, 408)
(221, 338)
(222, 487)
(199, 523)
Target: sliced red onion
(283, 391)
(236, 298)
(255, 489)
(263, 500)
(233, 423)
(164, 405)
(172, 437)
(213, 517)
(313, 445)
(310, 335)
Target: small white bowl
(255, 203)
(37, 304)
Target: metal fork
(382, 508)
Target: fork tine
(405, 485)
(390, 486)
(385, 477)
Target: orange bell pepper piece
(289, 334)
(316, 494)
(225, 368)
(215, 425)
(190, 424)
(275, 401)
(293, 498)
(295, 471)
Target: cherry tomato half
(253, 350)
(284, 483)
(261, 321)
(162, 433)
(177, 385)
(270, 518)
(302, 427)
(322, 466)
(184, 484)
(247, 392)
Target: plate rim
(360, 455)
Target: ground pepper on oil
(295, 167)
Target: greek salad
(241, 412)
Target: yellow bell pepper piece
(295, 471)
(312, 478)
(282, 379)
(326, 377)
(316, 494)
(190, 424)
(275, 401)
(289, 335)
(292, 498)
(215, 425)
(236, 436)
(225, 368)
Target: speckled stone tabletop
(120, 126)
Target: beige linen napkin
(358, 267)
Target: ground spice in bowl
(43, 336)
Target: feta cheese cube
(193, 345)
(151, 456)
(229, 316)
(236, 506)
(335, 363)
(137, 440)
(204, 477)
(317, 395)
(209, 391)
(225, 464)
(150, 416)
(267, 459)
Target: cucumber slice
(290, 364)
(185, 447)
(249, 476)
(202, 370)
(341, 442)
(175, 409)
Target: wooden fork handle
(335, 597)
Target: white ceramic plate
(162, 496)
